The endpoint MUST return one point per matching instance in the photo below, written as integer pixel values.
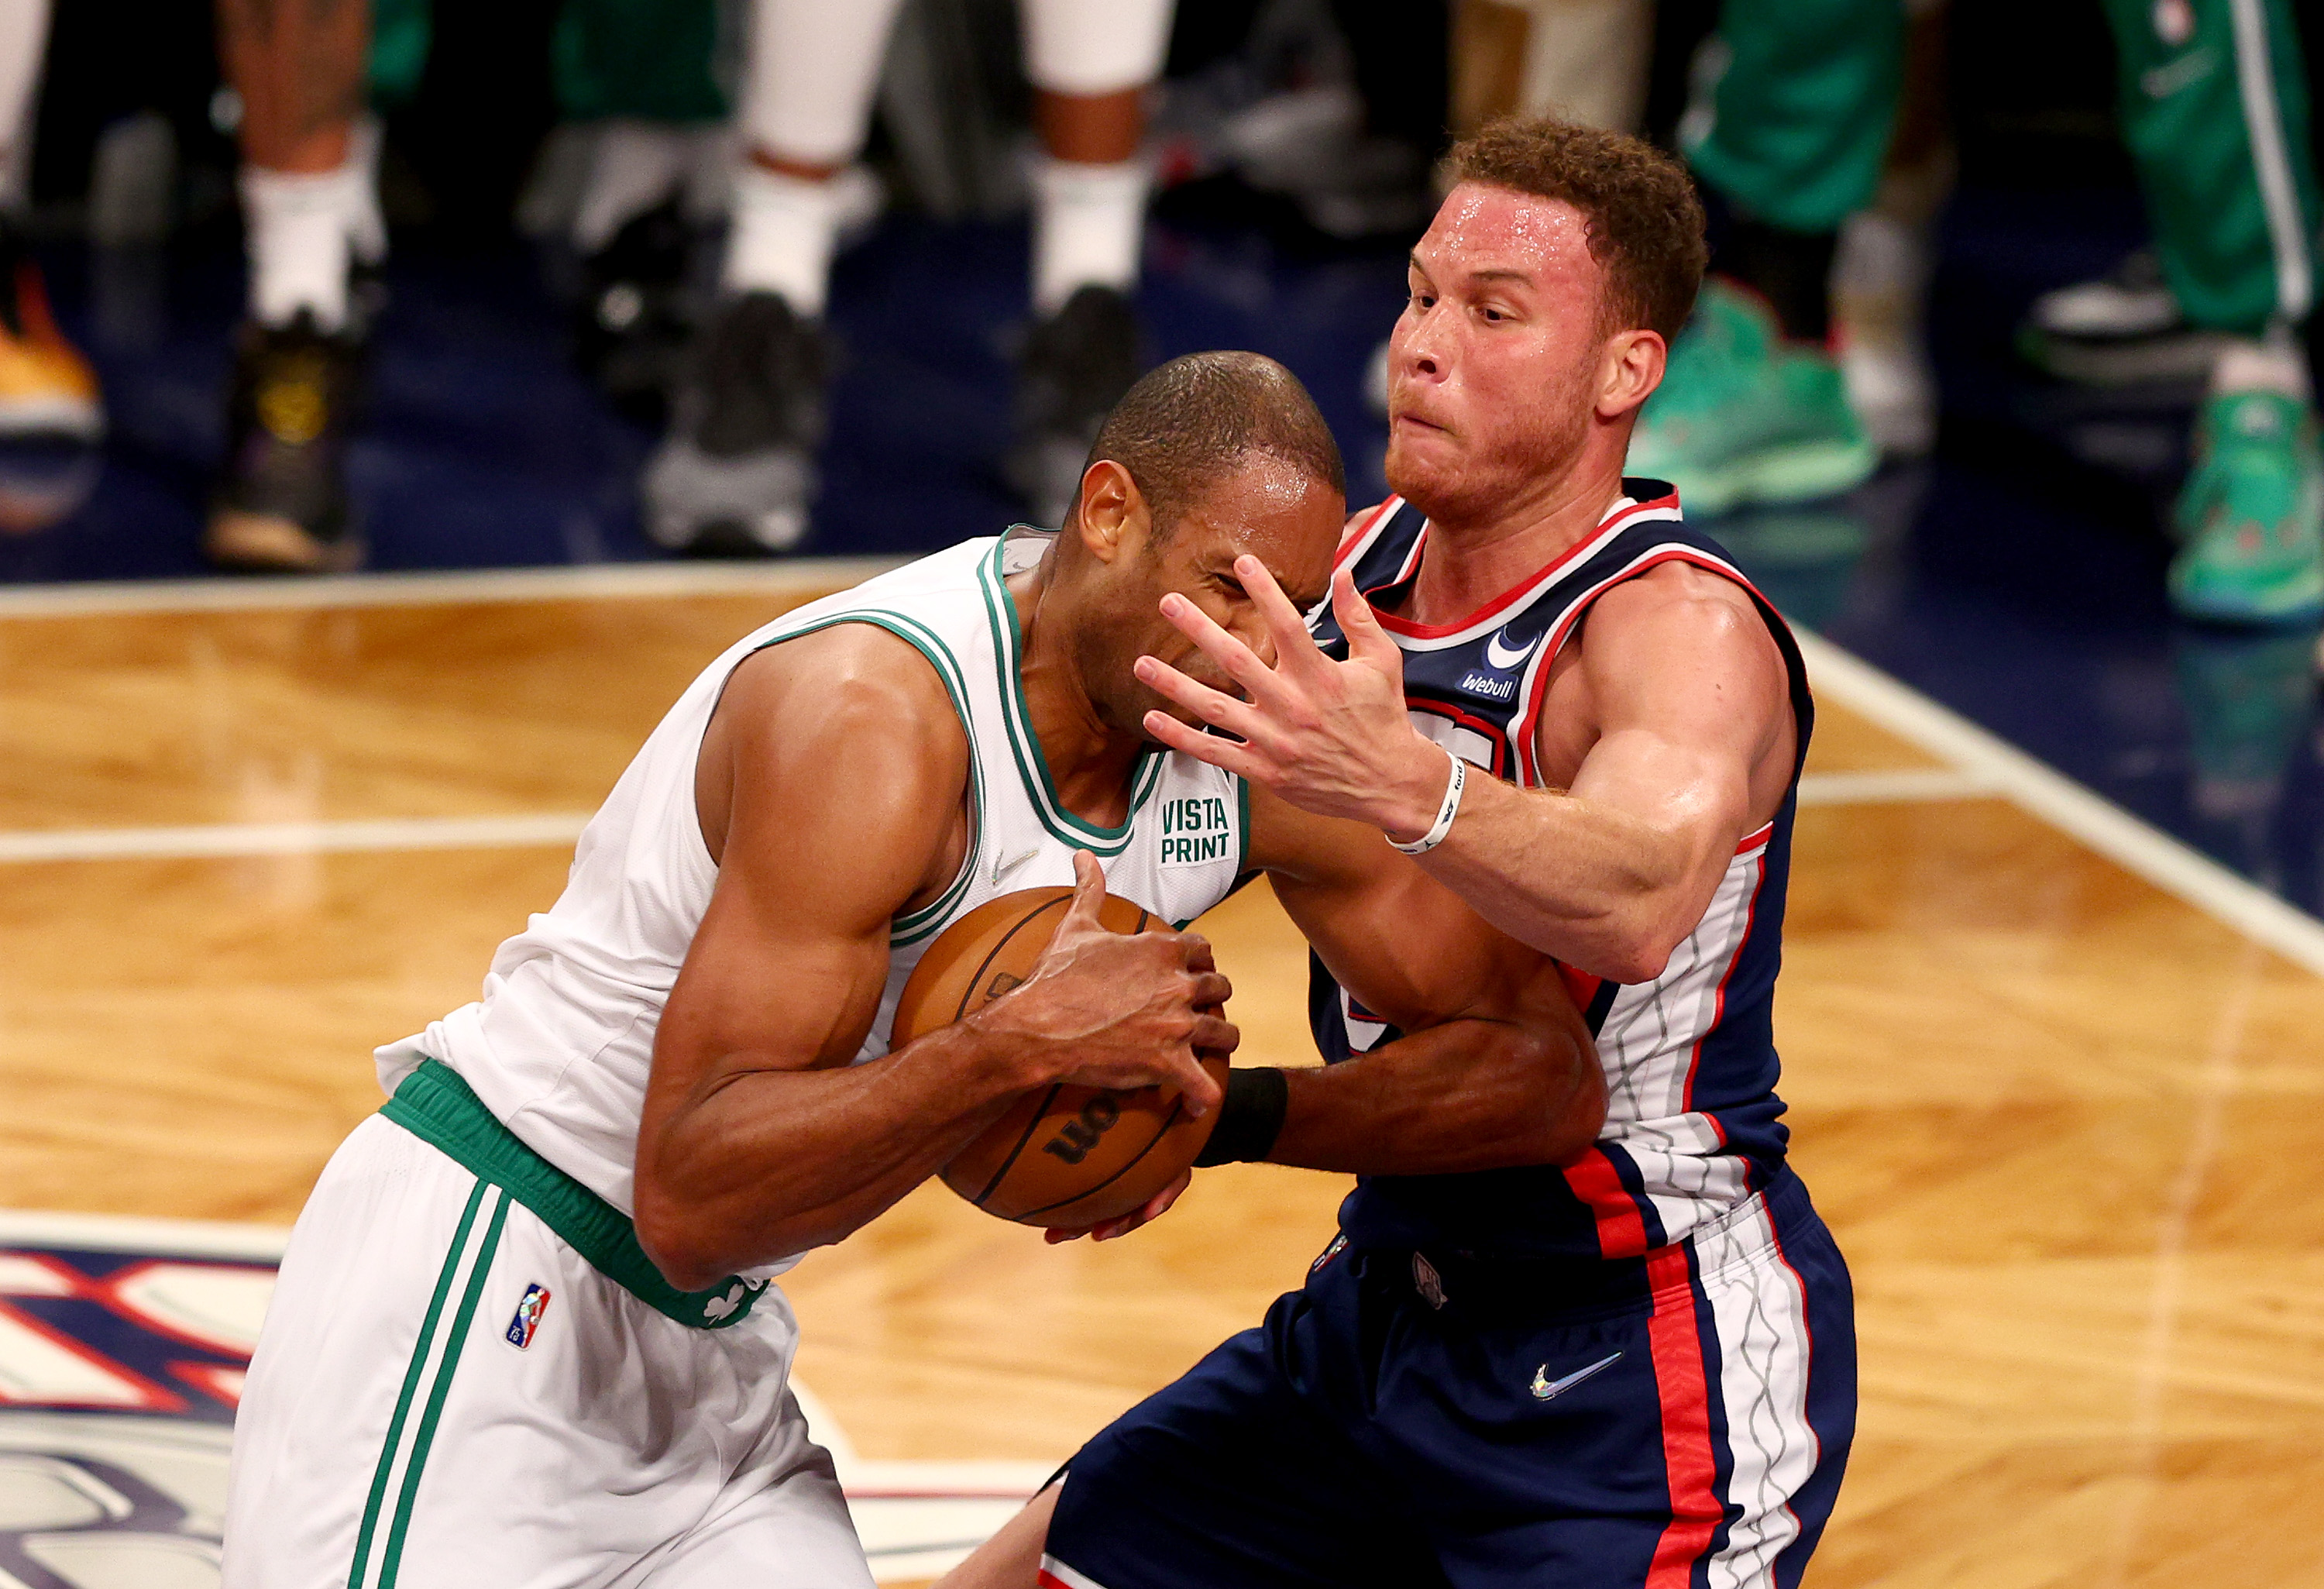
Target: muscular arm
(1690, 700)
(1498, 1068)
(830, 790)
(1678, 693)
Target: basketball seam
(1010, 1163)
(1168, 1120)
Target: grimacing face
(1268, 508)
(1493, 364)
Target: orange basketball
(1062, 1155)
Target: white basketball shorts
(446, 1393)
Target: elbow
(671, 1238)
(1563, 1106)
(1639, 952)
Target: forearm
(1595, 886)
(774, 1162)
(1466, 1095)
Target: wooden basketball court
(2055, 1082)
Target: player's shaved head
(1187, 426)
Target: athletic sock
(24, 35)
(301, 233)
(783, 233)
(634, 166)
(1088, 222)
(1791, 270)
(2262, 366)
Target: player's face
(1493, 367)
(1270, 510)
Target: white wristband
(1444, 813)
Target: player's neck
(1471, 560)
(1089, 761)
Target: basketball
(1063, 1156)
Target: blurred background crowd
(2004, 377)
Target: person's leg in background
(2215, 111)
(310, 214)
(1090, 62)
(640, 80)
(736, 474)
(46, 387)
(1788, 141)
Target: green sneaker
(2252, 514)
(1742, 416)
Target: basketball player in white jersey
(1633, 1369)
(525, 1334)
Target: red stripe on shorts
(1622, 1232)
(1676, 1338)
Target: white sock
(782, 238)
(1088, 222)
(23, 38)
(635, 166)
(301, 231)
(2260, 366)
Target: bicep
(1689, 697)
(841, 792)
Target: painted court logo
(527, 1315)
(124, 1344)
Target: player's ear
(1113, 513)
(1629, 371)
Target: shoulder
(1679, 603)
(855, 691)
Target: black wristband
(1249, 1118)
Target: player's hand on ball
(1106, 1229)
(1108, 1009)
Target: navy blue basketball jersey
(1692, 1122)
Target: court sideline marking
(1977, 764)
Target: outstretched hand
(1330, 737)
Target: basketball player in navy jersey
(1635, 1367)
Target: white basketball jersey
(560, 1044)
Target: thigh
(1238, 1474)
(780, 1523)
(446, 1393)
(1698, 1437)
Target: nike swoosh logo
(1004, 865)
(1545, 1388)
(1501, 657)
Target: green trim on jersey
(434, 1104)
(914, 925)
(1032, 767)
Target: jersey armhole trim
(913, 925)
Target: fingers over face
(1286, 622)
(1233, 755)
(1211, 705)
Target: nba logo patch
(527, 1315)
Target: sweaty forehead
(1481, 227)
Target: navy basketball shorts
(1675, 1421)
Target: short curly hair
(1646, 222)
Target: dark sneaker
(2123, 329)
(736, 476)
(632, 324)
(282, 504)
(1076, 366)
